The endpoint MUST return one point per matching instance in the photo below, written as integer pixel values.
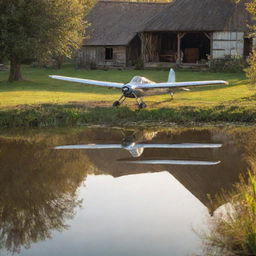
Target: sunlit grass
(37, 88)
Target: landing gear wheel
(142, 105)
(116, 104)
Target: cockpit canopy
(141, 80)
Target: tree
(251, 8)
(37, 29)
(251, 70)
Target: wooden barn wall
(90, 56)
(227, 44)
(134, 51)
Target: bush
(228, 64)
(251, 70)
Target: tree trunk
(15, 70)
(59, 61)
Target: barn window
(108, 53)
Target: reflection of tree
(246, 138)
(38, 191)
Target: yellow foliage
(251, 70)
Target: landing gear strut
(119, 102)
(140, 102)
(172, 94)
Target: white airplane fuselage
(132, 90)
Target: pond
(111, 192)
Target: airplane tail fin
(172, 76)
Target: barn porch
(175, 47)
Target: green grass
(37, 88)
(41, 101)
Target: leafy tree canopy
(251, 70)
(39, 29)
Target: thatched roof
(117, 23)
(201, 15)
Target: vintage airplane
(139, 87)
(136, 150)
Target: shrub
(251, 70)
(228, 64)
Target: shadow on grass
(156, 104)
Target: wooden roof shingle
(201, 15)
(116, 23)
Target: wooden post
(179, 37)
(142, 47)
(178, 50)
(210, 37)
(211, 50)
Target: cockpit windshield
(141, 80)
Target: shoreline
(51, 115)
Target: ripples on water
(114, 192)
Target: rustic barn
(113, 35)
(183, 31)
(201, 28)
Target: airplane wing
(118, 146)
(173, 162)
(88, 81)
(181, 84)
(181, 145)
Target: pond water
(111, 192)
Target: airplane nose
(126, 90)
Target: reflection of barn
(184, 31)
(201, 181)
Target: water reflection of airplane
(137, 149)
(202, 181)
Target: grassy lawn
(38, 88)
